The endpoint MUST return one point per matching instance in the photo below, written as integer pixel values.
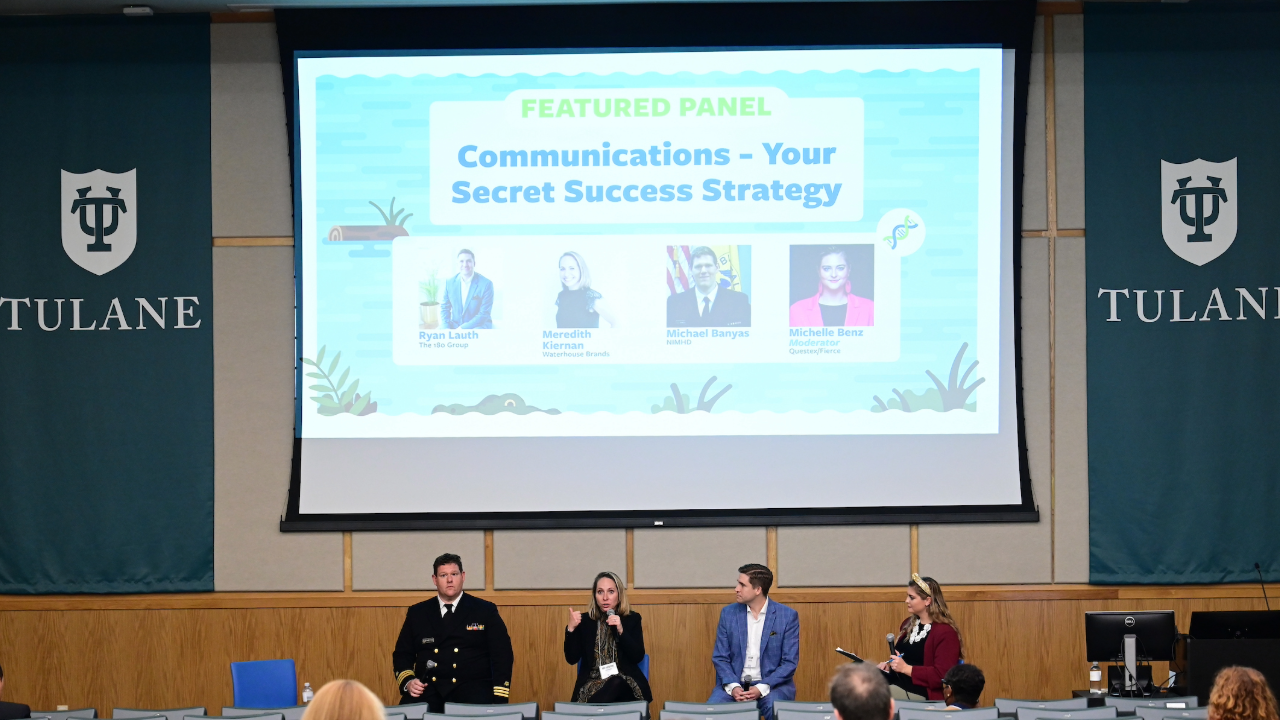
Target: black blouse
(913, 655)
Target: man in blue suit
(468, 297)
(757, 645)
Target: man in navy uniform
(453, 647)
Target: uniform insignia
(475, 626)
(428, 640)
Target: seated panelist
(706, 304)
(607, 645)
(9, 710)
(928, 644)
(453, 647)
(757, 645)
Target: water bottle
(1095, 679)
(306, 693)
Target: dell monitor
(1104, 634)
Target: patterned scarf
(606, 652)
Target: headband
(921, 584)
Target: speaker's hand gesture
(575, 618)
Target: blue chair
(264, 684)
(644, 665)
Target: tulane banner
(1183, 173)
(106, 318)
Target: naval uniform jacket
(467, 655)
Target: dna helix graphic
(900, 232)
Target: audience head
(963, 683)
(754, 580)
(447, 575)
(608, 592)
(1, 681)
(859, 692)
(344, 700)
(1241, 693)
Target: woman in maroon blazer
(928, 644)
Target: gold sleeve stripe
(407, 673)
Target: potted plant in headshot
(430, 305)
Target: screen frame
(648, 27)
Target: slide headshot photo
(579, 305)
(709, 286)
(468, 297)
(832, 285)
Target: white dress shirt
(755, 633)
(454, 603)
(466, 286)
(711, 295)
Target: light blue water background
(921, 153)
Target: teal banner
(106, 307)
(1183, 166)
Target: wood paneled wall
(1030, 643)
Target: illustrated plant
(679, 402)
(391, 216)
(336, 397)
(430, 289)
(942, 398)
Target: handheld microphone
(611, 613)
(1258, 569)
(889, 638)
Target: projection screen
(692, 286)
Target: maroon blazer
(941, 653)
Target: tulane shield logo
(1198, 208)
(99, 218)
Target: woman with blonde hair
(928, 645)
(1241, 693)
(607, 644)
(344, 700)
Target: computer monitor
(1104, 634)
(1236, 625)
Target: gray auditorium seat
(290, 713)
(263, 716)
(1160, 713)
(415, 711)
(1010, 707)
(1097, 713)
(820, 707)
(986, 713)
(528, 709)
(709, 708)
(173, 714)
(1132, 704)
(568, 708)
(749, 713)
(803, 715)
(395, 716)
(633, 715)
(65, 714)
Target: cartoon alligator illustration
(494, 404)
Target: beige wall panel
(402, 560)
(253, 430)
(252, 193)
(1071, 542)
(843, 555)
(1010, 553)
(1068, 60)
(695, 557)
(1034, 179)
(556, 559)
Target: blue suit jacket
(779, 647)
(473, 310)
